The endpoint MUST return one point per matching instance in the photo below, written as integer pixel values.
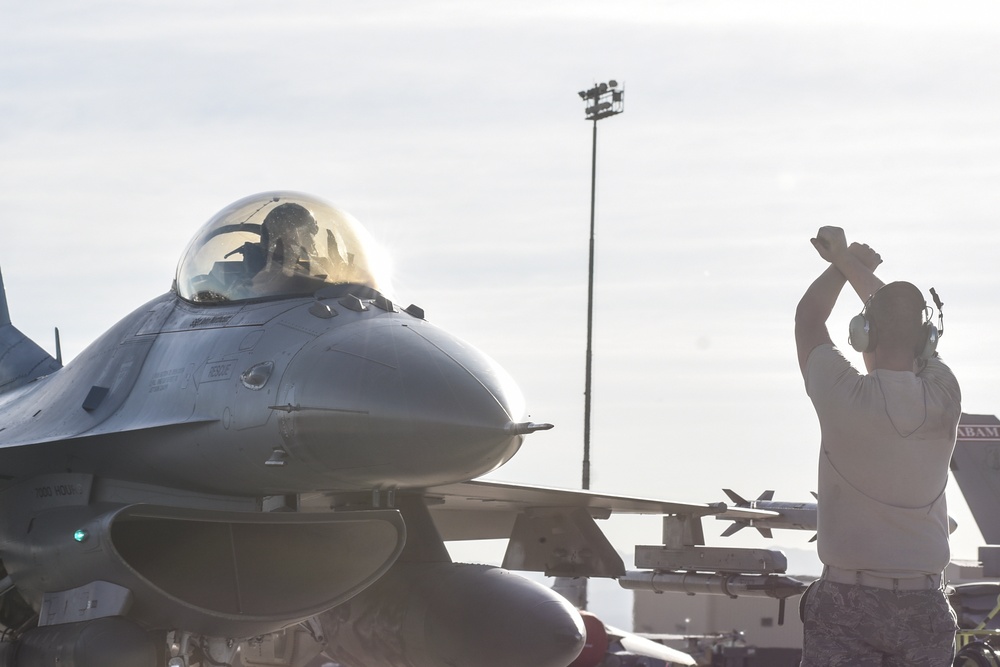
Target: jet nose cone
(393, 402)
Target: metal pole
(590, 318)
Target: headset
(863, 337)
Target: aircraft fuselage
(285, 396)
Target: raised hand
(865, 254)
(829, 242)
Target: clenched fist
(830, 242)
(865, 255)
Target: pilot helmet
(291, 222)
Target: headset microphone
(933, 333)
(940, 308)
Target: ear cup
(931, 337)
(860, 334)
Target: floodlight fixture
(603, 100)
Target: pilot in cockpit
(286, 250)
(287, 247)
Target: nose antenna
(523, 428)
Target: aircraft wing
(480, 509)
(554, 530)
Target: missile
(765, 514)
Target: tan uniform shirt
(887, 440)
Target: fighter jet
(261, 465)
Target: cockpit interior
(278, 244)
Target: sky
(454, 133)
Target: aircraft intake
(229, 574)
(446, 614)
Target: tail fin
(21, 360)
(976, 466)
(4, 312)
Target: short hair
(897, 311)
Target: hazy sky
(453, 131)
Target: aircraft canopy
(278, 244)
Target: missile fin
(766, 532)
(734, 528)
(736, 498)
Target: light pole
(603, 101)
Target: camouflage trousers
(863, 626)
